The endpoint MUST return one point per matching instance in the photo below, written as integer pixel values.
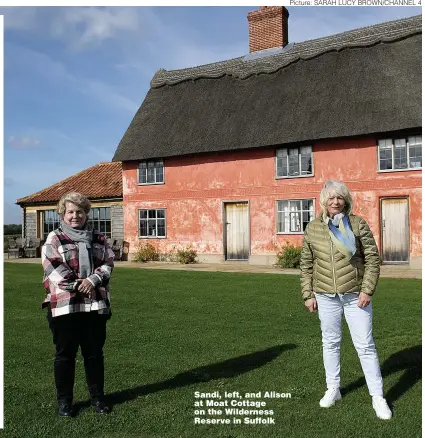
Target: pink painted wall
(196, 186)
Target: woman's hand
(86, 288)
(311, 304)
(364, 300)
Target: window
(292, 162)
(51, 221)
(100, 219)
(400, 153)
(151, 172)
(294, 215)
(152, 223)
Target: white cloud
(23, 142)
(53, 71)
(90, 26)
(78, 27)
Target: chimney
(268, 28)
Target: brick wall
(268, 28)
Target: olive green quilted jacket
(324, 269)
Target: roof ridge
(242, 68)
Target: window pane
(161, 227)
(160, 214)
(415, 151)
(143, 214)
(294, 205)
(306, 167)
(415, 140)
(281, 167)
(107, 213)
(95, 213)
(281, 153)
(143, 176)
(159, 175)
(152, 214)
(143, 228)
(400, 154)
(385, 159)
(286, 223)
(102, 227)
(51, 221)
(152, 227)
(102, 213)
(280, 205)
(151, 174)
(293, 162)
(385, 144)
(280, 222)
(295, 222)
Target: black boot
(100, 407)
(65, 410)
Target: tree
(12, 229)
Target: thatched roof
(360, 82)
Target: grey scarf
(84, 239)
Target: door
(395, 230)
(237, 231)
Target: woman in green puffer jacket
(340, 267)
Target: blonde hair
(329, 190)
(76, 198)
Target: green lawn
(176, 332)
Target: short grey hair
(76, 198)
(330, 189)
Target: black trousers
(85, 329)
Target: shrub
(146, 252)
(289, 256)
(186, 255)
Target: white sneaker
(330, 397)
(381, 408)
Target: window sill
(151, 184)
(295, 176)
(399, 170)
(152, 237)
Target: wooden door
(395, 230)
(237, 231)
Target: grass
(176, 332)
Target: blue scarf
(343, 237)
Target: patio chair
(117, 247)
(31, 248)
(16, 247)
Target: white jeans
(359, 322)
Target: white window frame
(156, 223)
(297, 211)
(155, 172)
(299, 161)
(52, 224)
(393, 141)
(95, 222)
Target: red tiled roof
(104, 180)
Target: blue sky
(74, 77)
